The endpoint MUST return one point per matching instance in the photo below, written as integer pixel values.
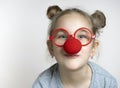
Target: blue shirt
(50, 78)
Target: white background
(23, 34)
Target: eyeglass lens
(60, 36)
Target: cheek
(58, 53)
(86, 50)
(57, 50)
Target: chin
(73, 66)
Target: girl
(72, 41)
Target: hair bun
(98, 19)
(53, 10)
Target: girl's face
(72, 22)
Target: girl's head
(97, 20)
(71, 20)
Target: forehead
(72, 22)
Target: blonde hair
(97, 19)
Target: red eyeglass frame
(70, 35)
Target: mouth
(72, 55)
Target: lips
(71, 55)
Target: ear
(50, 47)
(94, 48)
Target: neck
(76, 77)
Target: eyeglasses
(60, 35)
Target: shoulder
(102, 76)
(47, 73)
(44, 79)
(100, 71)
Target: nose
(72, 46)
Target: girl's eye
(82, 36)
(62, 36)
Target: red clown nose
(72, 46)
